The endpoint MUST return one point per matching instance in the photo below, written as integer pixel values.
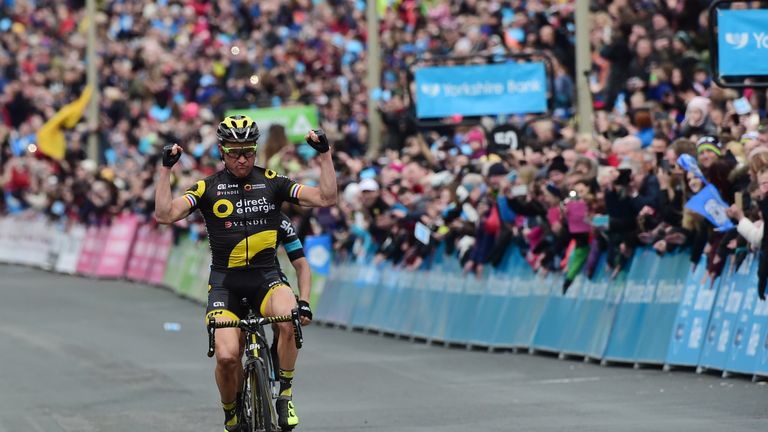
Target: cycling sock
(230, 413)
(286, 381)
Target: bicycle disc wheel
(257, 400)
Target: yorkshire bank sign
(743, 42)
(509, 88)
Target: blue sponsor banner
(327, 301)
(638, 293)
(385, 298)
(750, 322)
(366, 288)
(330, 301)
(660, 313)
(541, 289)
(517, 277)
(761, 319)
(346, 297)
(318, 251)
(742, 42)
(558, 316)
(590, 295)
(689, 329)
(490, 310)
(352, 289)
(714, 354)
(465, 309)
(607, 297)
(571, 340)
(446, 312)
(400, 321)
(508, 88)
(659, 317)
(429, 296)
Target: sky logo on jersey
(742, 46)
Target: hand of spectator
(734, 212)
(660, 246)
(635, 83)
(557, 227)
(647, 211)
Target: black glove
(170, 159)
(322, 146)
(304, 310)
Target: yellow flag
(50, 138)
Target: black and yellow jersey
(243, 216)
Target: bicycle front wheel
(257, 400)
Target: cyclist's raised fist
(171, 154)
(317, 139)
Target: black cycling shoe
(286, 414)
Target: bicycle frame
(257, 350)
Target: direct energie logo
(223, 208)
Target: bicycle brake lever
(211, 336)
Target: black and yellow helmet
(238, 129)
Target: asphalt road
(88, 355)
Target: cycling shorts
(226, 292)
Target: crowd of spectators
(169, 69)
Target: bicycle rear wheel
(257, 400)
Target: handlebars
(251, 324)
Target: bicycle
(260, 381)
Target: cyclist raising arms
(241, 207)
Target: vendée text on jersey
(249, 222)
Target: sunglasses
(235, 153)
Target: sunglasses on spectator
(236, 152)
